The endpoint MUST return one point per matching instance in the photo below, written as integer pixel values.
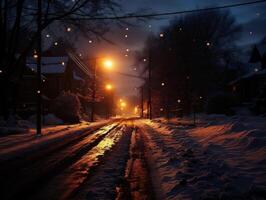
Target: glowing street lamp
(108, 87)
(108, 64)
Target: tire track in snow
(32, 177)
(137, 184)
(105, 180)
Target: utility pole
(93, 91)
(149, 86)
(39, 65)
(142, 100)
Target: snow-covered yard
(222, 158)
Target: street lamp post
(142, 100)
(108, 100)
(108, 64)
(93, 90)
(149, 87)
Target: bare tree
(18, 31)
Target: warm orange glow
(123, 104)
(108, 87)
(136, 109)
(108, 64)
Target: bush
(67, 107)
(221, 103)
(51, 119)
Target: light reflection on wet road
(71, 178)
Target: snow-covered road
(24, 173)
(142, 159)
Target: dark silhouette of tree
(189, 58)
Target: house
(249, 86)
(252, 86)
(59, 73)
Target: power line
(130, 75)
(130, 16)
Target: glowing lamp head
(108, 87)
(108, 64)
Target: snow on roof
(50, 65)
(249, 75)
(77, 77)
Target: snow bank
(222, 158)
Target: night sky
(251, 17)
